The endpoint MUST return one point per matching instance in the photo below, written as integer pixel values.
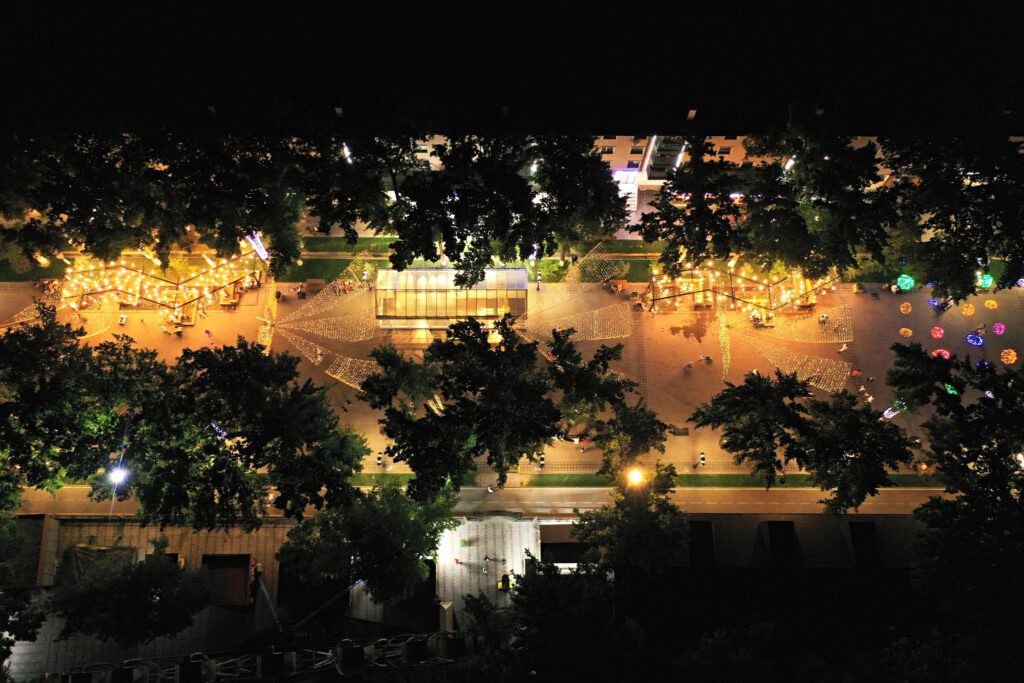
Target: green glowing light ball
(950, 389)
(905, 282)
(985, 281)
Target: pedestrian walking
(208, 334)
(538, 282)
(484, 569)
(863, 389)
(843, 348)
(871, 399)
(870, 380)
(487, 558)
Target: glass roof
(444, 279)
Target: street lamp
(635, 477)
(494, 338)
(117, 476)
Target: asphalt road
(551, 502)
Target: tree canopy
(641, 531)
(382, 537)
(965, 195)
(129, 603)
(845, 447)
(494, 195)
(212, 440)
(64, 407)
(230, 430)
(484, 393)
(806, 199)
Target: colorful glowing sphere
(906, 308)
(985, 281)
(933, 302)
(938, 332)
(906, 332)
(905, 282)
(998, 328)
(1008, 356)
(951, 390)
(968, 309)
(974, 339)
(991, 304)
(941, 353)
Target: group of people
(702, 358)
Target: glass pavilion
(429, 298)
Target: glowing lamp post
(635, 477)
(117, 476)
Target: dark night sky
(597, 67)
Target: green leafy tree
(344, 188)
(54, 421)
(759, 419)
(230, 430)
(130, 603)
(694, 211)
(920, 379)
(825, 198)
(579, 200)
(641, 532)
(973, 545)
(110, 192)
(587, 388)
(383, 538)
(19, 620)
(500, 390)
(633, 431)
(433, 438)
(966, 194)
(551, 609)
(480, 205)
(846, 448)
(495, 626)
(488, 400)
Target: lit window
(632, 164)
(724, 151)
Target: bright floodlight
(635, 477)
(117, 475)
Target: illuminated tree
(231, 430)
(759, 419)
(694, 212)
(382, 537)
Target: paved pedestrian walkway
(472, 559)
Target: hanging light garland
(968, 309)
(906, 332)
(991, 304)
(941, 353)
(906, 308)
(905, 282)
(1008, 356)
(974, 339)
(938, 332)
(998, 328)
